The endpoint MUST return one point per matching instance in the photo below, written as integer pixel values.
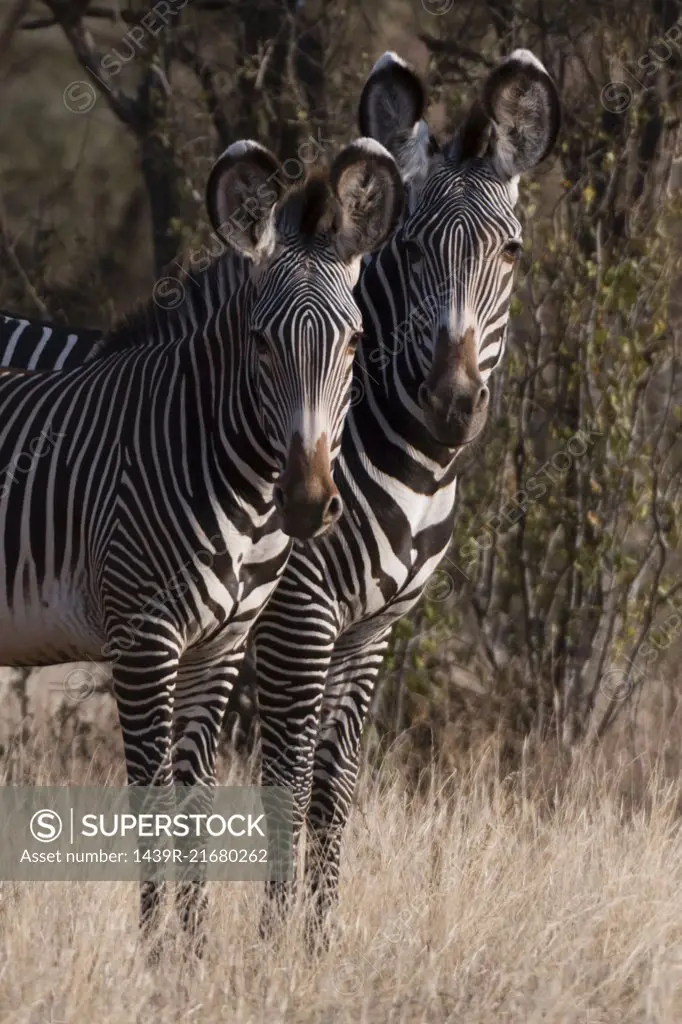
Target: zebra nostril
(482, 399)
(278, 498)
(423, 396)
(334, 508)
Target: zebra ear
(243, 188)
(516, 120)
(391, 111)
(369, 191)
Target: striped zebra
(435, 304)
(172, 476)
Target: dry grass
(471, 903)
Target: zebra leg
(202, 694)
(143, 682)
(352, 678)
(293, 655)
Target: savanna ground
(550, 893)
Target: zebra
(435, 302)
(435, 305)
(155, 524)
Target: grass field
(473, 903)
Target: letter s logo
(46, 826)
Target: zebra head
(460, 239)
(304, 247)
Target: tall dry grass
(474, 900)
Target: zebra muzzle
(305, 495)
(455, 419)
(454, 398)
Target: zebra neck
(179, 307)
(225, 377)
(202, 394)
(390, 368)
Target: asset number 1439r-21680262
(201, 856)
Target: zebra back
(31, 344)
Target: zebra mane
(177, 303)
(305, 210)
(308, 209)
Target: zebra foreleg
(143, 681)
(288, 744)
(292, 663)
(349, 690)
(202, 694)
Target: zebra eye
(261, 343)
(512, 250)
(353, 342)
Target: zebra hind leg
(202, 694)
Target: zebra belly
(56, 627)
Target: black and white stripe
(155, 515)
(435, 305)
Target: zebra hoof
(194, 948)
(154, 951)
(318, 933)
(271, 924)
(276, 911)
